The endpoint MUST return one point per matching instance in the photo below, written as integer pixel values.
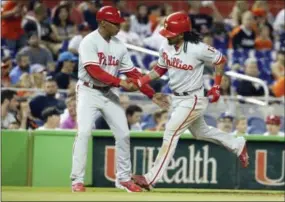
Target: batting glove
(214, 94)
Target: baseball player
(101, 58)
(183, 56)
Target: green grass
(112, 194)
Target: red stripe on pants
(175, 133)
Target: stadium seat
(256, 124)
(256, 130)
(211, 121)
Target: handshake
(130, 84)
(160, 99)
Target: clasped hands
(131, 84)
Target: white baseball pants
(187, 113)
(89, 102)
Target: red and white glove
(214, 93)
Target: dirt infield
(112, 194)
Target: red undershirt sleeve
(96, 72)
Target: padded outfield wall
(43, 159)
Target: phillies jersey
(111, 56)
(186, 69)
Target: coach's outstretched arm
(99, 74)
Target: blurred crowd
(39, 54)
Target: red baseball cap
(273, 119)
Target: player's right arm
(158, 71)
(88, 54)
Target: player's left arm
(212, 55)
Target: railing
(255, 80)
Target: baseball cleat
(130, 186)
(141, 181)
(243, 157)
(78, 187)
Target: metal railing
(254, 80)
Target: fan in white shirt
(241, 126)
(73, 45)
(273, 125)
(127, 36)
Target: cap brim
(166, 33)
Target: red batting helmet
(274, 120)
(110, 14)
(175, 24)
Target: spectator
(263, 4)
(9, 107)
(62, 27)
(37, 22)
(155, 40)
(140, 23)
(51, 119)
(89, 13)
(239, 9)
(154, 16)
(133, 113)
(278, 87)
(278, 67)
(124, 101)
(39, 103)
(160, 118)
(12, 32)
(263, 41)
(203, 23)
(38, 74)
(24, 82)
(241, 126)
(273, 126)
(220, 36)
(226, 85)
(70, 121)
(126, 35)
(75, 14)
(73, 45)
(23, 66)
(247, 88)
(279, 23)
(225, 122)
(6, 67)
(261, 21)
(37, 54)
(167, 9)
(23, 114)
(243, 36)
(67, 61)
(122, 6)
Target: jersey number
(212, 49)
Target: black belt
(186, 93)
(90, 85)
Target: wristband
(218, 80)
(144, 80)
